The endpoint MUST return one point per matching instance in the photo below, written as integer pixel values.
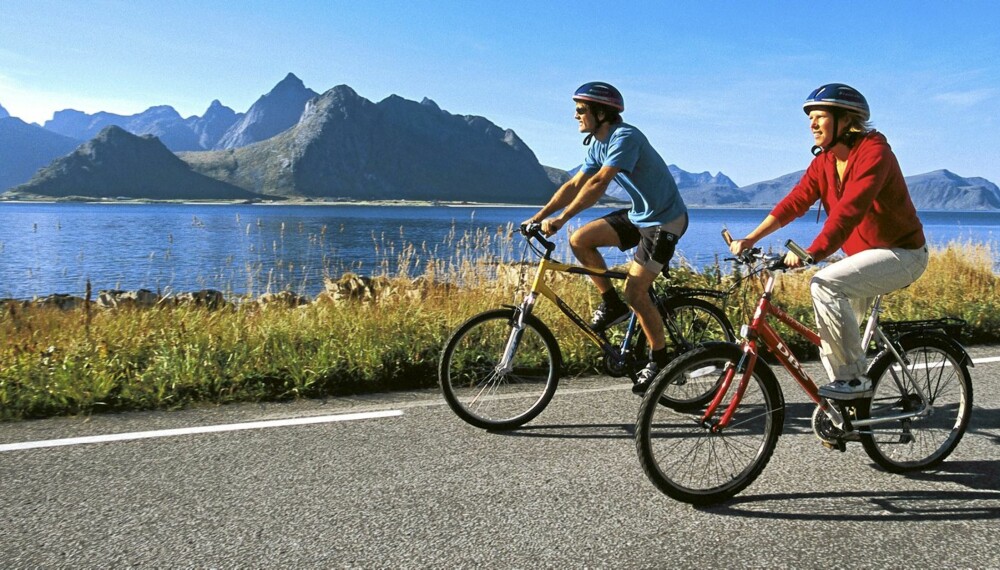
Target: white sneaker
(860, 387)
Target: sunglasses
(581, 111)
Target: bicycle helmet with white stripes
(600, 92)
(838, 96)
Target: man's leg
(637, 295)
(586, 240)
(613, 229)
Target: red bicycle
(919, 408)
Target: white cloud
(965, 99)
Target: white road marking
(197, 430)
(985, 360)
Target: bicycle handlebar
(773, 262)
(534, 230)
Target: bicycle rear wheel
(689, 322)
(487, 394)
(689, 461)
(917, 443)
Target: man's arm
(562, 197)
(592, 189)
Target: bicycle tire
(486, 397)
(920, 443)
(689, 462)
(698, 322)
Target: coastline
(298, 201)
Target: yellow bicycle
(501, 368)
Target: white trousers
(843, 291)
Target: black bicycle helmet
(600, 92)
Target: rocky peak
(119, 163)
(273, 113)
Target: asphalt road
(419, 488)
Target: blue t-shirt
(644, 175)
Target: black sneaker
(605, 316)
(645, 378)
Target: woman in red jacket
(870, 216)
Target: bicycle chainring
(825, 430)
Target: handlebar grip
(801, 253)
(727, 236)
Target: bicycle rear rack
(951, 326)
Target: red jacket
(870, 209)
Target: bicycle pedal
(839, 445)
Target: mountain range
(295, 143)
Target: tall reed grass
(82, 361)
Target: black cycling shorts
(655, 245)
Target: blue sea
(50, 248)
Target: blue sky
(715, 85)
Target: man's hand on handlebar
(551, 225)
(548, 226)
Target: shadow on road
(983, 475)
(866, 506)
(574, 431)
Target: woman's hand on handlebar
(738, 246)
(793, 261)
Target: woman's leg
(841, 292)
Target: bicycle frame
(540, 287)
(761, 330)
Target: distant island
(296, 145)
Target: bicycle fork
(516, 330)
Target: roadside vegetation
(88, 360)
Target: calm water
(56, 248)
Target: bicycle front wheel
(912, 443)
(683, 456)
(489, 391)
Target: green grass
(84, 361)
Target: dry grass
(56, 362)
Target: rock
(209, 298)
(59, 301)
(283, 299)
(117, 299)
(349, 287)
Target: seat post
(872, 321)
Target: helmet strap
(817, 149)
(600, 121)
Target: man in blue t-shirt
(658, 217)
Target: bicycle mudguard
(914, 339)
(695, 292)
